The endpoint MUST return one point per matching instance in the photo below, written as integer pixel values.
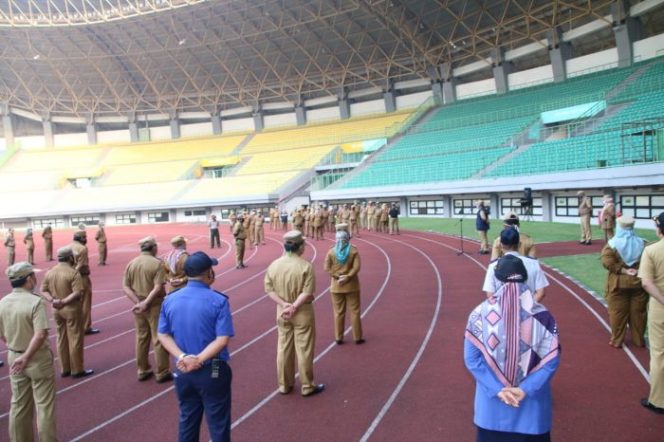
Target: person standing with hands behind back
(482, 225)
(195, 326)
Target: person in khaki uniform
(175, 274)
(232, 217)
(47, 234)
(363, 216)
(585, 213)
(526, 243)
(240, 235)
(342, 262)
(80, 250)
(144, 279)
(24, 328)
(62, 287)
(608, 217)
(102, 250)
(10, 244)
(29, 242)
(290, 282)
(259, 230)
(626, 299)
(318, 223)
(250, 226)
(482, 225)
(651, 272)
(331, 218)
(384, 218)
(353, 218)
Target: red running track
(407, 382)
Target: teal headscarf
(627, 244)
(342, 247)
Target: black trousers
(214, 238)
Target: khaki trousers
(239, 252)
(48, 248)
(11, 256)
(484, 241)
(586, 234)
(33, 389)
(103, 253)
(31, 255)
(627, 307)
(146, 331)
(394, 226)
(259, 235)
(339, 303)
(87, 301)
(656, 337)
(69, 323)
(296, 336)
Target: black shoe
(92, 331)
(317, 389)
(655, 409)
(1, 363)
(65, 374)
(360, 341)
(588, 242)
(167, 378)
(145, 376)
(582, 242)
(82, 374)
(339, 341)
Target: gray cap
(65, 252)
(293, 237)
(19, 271)
(147, 241)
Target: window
(642, 206)
(508, 205)
(569, 205)
(158, 217)
(467, 206)
(125, 218)
(195, 212)
(54, 222)
(87, 220)
(426, 207)
(214, 172)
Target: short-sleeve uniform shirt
(289, 276)
(61, 281)
(536, 277)
(143, 273)
(21, 314)
(652, 264)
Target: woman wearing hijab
(343, 264)
(174, 261)
(511, 348)
(626, 298)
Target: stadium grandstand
(180, 106)
(147, 118)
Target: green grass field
(585, 268)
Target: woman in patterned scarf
(174, 261)
(511, 348)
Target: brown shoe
(167, 378)
(145, 376)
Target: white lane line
(266, 333)
(600, 319)
(425, 342)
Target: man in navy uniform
(195, 326)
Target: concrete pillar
(91, 129)
(300, 115)
(259, 123)
(626, 30)
(175, 125)
(449, 82)
(216, 124)
(437, 89)
(501, 70)
(344, 104)
(494, 201)
(559, 52)
(447, 205)
(389, 97)
(403, 207)
(133, 131)
(7, 124)
(47, 124)
(547, 206)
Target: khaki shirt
(100, 236)
(609, 216)
(350, 268)
(612, 261)
(10, 242)
(526, 247)
(585, 207)
(652, 264)
(289, 276)
(29, 242)
(178, 274)
(82, 264)
(143, 273)
(62, 280)
(239, 232)
(21, 314)
(47, 233)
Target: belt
(16, 351)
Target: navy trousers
(199, 392)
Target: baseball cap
(509, 268)
(197, 263)
(509, 236)
(19, 270)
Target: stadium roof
(83, 57)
